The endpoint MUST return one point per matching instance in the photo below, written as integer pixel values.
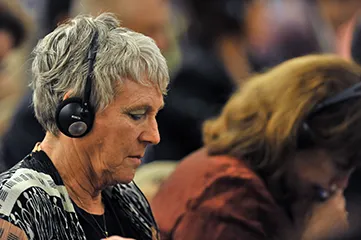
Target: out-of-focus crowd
(212, 47)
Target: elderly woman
(97, 89)
(276, 160)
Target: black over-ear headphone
(305, 134)
(75, 116)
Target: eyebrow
(145, 107)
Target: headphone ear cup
(72, 120)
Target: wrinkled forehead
(130, 86)
(135, 98)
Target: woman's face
(122, 132)
(320, 169)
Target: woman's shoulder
(18, 178)
(214, 167)
(199, 172)
(31, 201)
(237, 195)
(21, 177)
(228, 180)
(21, 184)
(217, 187)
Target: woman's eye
(136, 116)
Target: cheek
(117, 164)
(119, 139)
(119, 134)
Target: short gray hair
(60, 64)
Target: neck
(234, 56)
(76, 172)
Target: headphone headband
(75, 116)
(347, 94)
(91, 60)
(306, 134)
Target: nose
(151, 134)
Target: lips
(136, 156)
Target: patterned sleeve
(33, 203)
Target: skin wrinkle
(87, 172)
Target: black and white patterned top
(33, 198)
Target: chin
(124, 179)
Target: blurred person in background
(298, 28)
(214, 63)
(338, 12)
(340, 16)
(23, 130)
(46, 14)
(149, 17)
(14, 33)
(154, 18)
(275, 161)
(97, 89)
